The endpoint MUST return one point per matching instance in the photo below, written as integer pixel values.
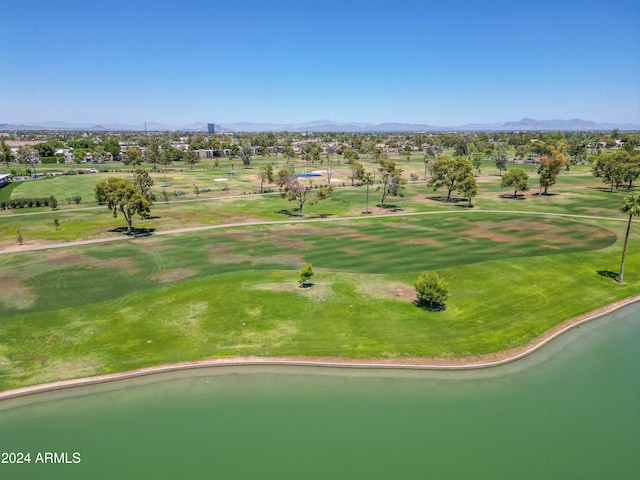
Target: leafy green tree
(609, 169)
(448, 172)
(377, 153)
(476, 161)
(113, 147)
(392, 181)
(350, 156)
(306, 273)
(431, 291)
(357, 171)
(53, 202)
(120, 195)
(143, 182)
(516, 179)
(468, 188)
(246, 150)
(152, 152)
(288, 152)
(500, 157)
(461, 147)
(550, 166)
(295, 190)
(265, 173)
(406, 152)
(630, 206)
(191, 158)
(133, 156)
(6, 156)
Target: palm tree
(631, 205)
(367, 179)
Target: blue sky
(444, 63)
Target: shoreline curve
(413, 363)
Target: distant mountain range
(526, 124)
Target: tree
(191, 158)
(549, 168)
(630, 206)
(29, 156)
(392, 182)
(406, 153)
(6, 155)
(431, 291)
(468, 187)
(306, 273)
(121, 195)
(246, 150)
(476, 161)
(143, 182)
(608, 169)
(367, 179)
(113, 147)
(516, 179)
(265, 173)
(295, 190)
(357, 172)
(152, 152)
(500, 158)
(351, 156)
(133, 156)
(448, 172)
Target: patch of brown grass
(14, 294)
(423, 241)
(174, 275)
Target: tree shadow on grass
(431, 307)
(538, 194)
(511, 197)
(389, 207)
(289, 213)
(135, 232)
(306, 285)
(608, 274)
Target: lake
(570, 411)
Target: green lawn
(112, 307)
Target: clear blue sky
(446, 62)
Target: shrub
(431, 290)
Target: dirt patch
(423, 241)
(126, 264)
(499, 231)
(350, 251)
(382, 289)
(174, 275)
(59, 257)
(14, 294)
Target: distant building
(211, 128)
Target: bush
(76, 199)
(306, 273)
(431, 290)
(25, 203)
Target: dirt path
(415, 363)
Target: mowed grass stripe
(493, 305)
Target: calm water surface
(570, 412)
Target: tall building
(211, 128)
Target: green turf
(114, 306)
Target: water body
(570, 412)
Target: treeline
(28, 203)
